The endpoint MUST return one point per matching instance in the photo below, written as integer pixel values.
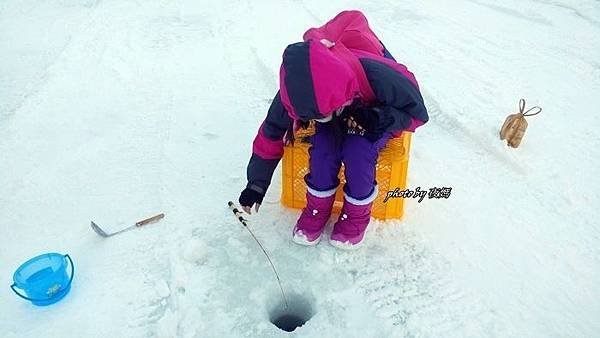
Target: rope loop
(522, 111)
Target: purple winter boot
(312, 221)
(349, 230)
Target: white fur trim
(321, 194)
(299, 238)
(347, 245)
(325, 119)
(364, 201)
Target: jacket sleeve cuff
(256, 188)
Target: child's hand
(250, 197)
(365, 118)
(368, 122)
(353, 124)
(248, 210)
(353, 127)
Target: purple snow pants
(358, 154)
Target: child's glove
(249, 197)
(373, 120)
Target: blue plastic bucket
(44, 278)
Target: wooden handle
(150, 220)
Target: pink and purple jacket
(314, 82)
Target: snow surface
(115, 110)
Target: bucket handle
(41, 300)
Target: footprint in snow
(210, 136)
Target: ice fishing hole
(298, 312)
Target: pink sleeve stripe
(266, 148)
(414, 124)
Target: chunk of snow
(162, 289)
(195, 251)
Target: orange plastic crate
(391, 171)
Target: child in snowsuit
(321, 81)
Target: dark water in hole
(289, 322)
